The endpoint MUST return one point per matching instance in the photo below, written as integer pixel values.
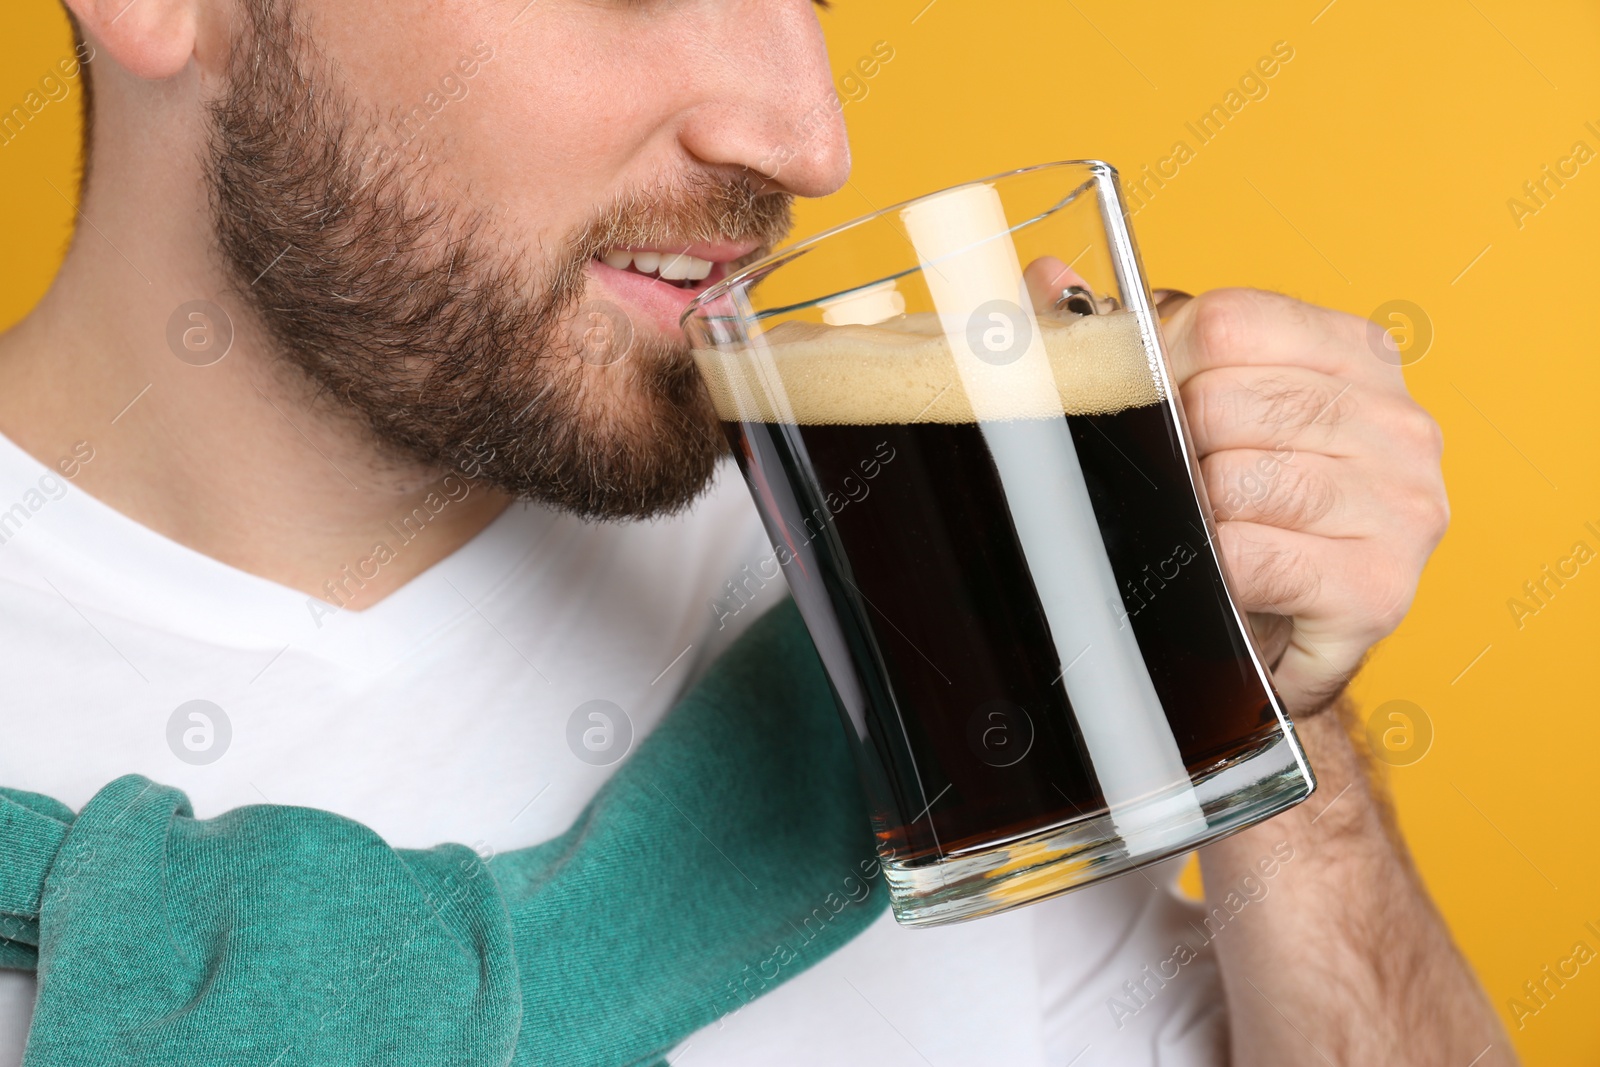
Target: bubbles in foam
(904, 371)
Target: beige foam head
(903, 371)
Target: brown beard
(402, 306)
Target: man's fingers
(1293, 491)
(1282, 408)
(1352, 586)
(1321, 471)
(1341, 596)
(1272, 571)
(1228, 327)
(1275, 576)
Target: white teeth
(672, 267)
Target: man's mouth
(659, 283)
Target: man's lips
(654, 285)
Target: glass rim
(1099, 167)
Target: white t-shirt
(441, 714)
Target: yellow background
(1377, 168)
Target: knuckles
(1420, 432)
(1412, 483)
(1422, 514)
(1382, 592)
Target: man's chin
(625, 495)
(619, 460)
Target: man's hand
(1324, 478)
(1323, 475)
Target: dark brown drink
(911, 542)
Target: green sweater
(729, 853)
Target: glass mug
(979, 482)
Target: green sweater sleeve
(730, 852)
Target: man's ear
(151, 39)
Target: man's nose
(771, 107)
